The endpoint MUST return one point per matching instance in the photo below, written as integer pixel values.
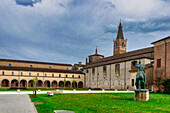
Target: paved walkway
(16, 104)
(65, 91)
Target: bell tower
(119, 43)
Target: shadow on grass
(127, 99)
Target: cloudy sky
(67, 31)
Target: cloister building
(20, 74)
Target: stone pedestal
(141, 95)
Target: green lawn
(101, 103)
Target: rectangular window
(21, 73)
(133, 82)
(12, 73)
(45, 74)
(29, 74)
(49, 67)
(79, 76)
(3, 73)
(52, 75)
(37, 74)
(9, 64)
(66, 76)
(59, 75)
(72, 76)
(158, 63)
(30, 65)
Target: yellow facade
(20, 75)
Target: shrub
(166, 85)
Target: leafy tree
(35, 80)
(64, 82)
(166, 85)
(74, 83)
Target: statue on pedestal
(140, 77)
(141, 93)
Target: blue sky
(67, 31)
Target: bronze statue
(140, 77)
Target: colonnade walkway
(16, 104)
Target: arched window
(87, 71)
(117, 69)
(52, 75)
(116, 45)
(104, 71)
(3, 73)
(123, 45)
(105, 68)
(117, 66)
(93, 71)
(133, 64)
(66, 76)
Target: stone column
(27, 84)
(51, 85)
(9, 84)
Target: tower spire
(119, 43)
(120, 32)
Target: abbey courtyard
(86, 87)
(114, 72)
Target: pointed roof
(96, 54)
(120, 32)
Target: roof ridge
(28, 61)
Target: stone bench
(50, 93)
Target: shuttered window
(158, 63)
